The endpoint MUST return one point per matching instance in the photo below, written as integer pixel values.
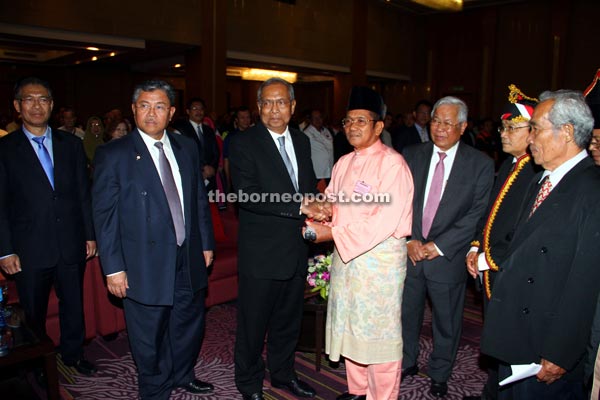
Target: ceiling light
(112, 54)
(177, 66)
(90, 48)
(442, 5)
(256, 74)
(94, 58)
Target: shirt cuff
(114, 273)
(438, 250)
(482, 264)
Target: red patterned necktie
(542, 194)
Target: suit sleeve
(6, 247)
(568, 331)
(204, 216)
(84, 190)
(462, 231)
(105, 207)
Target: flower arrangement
(318, 274)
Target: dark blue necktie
(45, 159)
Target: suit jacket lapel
(425, 159)
(146, 170)
(272, 153)
(558, 196)
(32, 162)
(60, 160)
(452, 188)
(303, 168)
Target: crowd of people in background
(529, 239)
(401, 129)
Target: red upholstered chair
(222, 278)
(108, 308)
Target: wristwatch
(310, 234)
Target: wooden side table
(312, 333)
(29, 347)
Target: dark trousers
(165, 340)
(273, 309)
(447, 303)
(530, 388)
(33, 286)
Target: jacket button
(544, 250)
(525, 310)
(530, 280)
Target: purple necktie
(170, 188)
(435, 195)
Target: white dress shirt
(154, 153)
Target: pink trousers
(377, 381)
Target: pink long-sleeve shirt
(357, 227)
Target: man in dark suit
(452, 186)
(495, 230)
(155, 240)
(204, 136)
(543, 300)
(418, 132)
(46, 230)
(271, 159)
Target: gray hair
(150, 86)
(569, 107)
(463, 110)
(273, 81)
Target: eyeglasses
(595, 142)
(444, 124)
(511, 129)
(197, 108)
(158, 108)
(29, 101)
(95, 124)
(268, 104)
(361, 122)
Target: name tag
(362, 188)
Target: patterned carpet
(116, 378)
